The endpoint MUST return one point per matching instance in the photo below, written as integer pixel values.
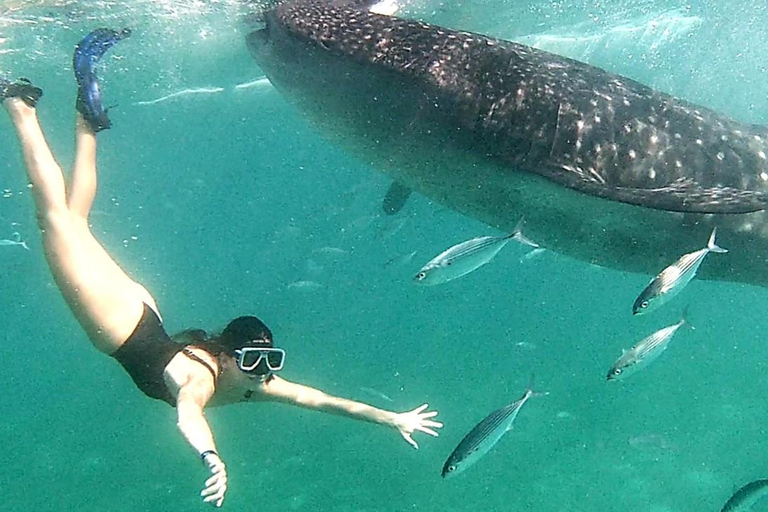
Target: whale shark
(603, 168)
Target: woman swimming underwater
(192, 371)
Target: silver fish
(644, 352)
(484, 436)
(304, 285)
(16, 241)
(743, 499)
(402, 259)
(331, 252)
(463, 258)
(376, 393)
(674, 278)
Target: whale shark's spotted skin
(476, 123)
(575, 124)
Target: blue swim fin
(21, 88)
(88, 52)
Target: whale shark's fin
(683, 195)
(396, 197)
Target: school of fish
(466, 257)
(580, 145)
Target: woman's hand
(216, 485)
(408, 422)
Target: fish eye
(421, 275)
(451, 468)
(644, 304)
(617, 371)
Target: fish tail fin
(531, 391)
(518, 235)
(712, 246)
(685, 319)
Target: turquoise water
(226, 203)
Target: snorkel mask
(260, 360)
(251, 342)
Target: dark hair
(190, 337)
(244, 331)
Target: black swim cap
(246, 331)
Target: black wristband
(207, 453)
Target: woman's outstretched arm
(193, 388)
(304, 396)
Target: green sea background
(223, 201)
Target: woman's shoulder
(193, 364)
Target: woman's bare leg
(83, 182)
(107, 303)
(80, 196)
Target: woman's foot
(22, 89)
(88, 52)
